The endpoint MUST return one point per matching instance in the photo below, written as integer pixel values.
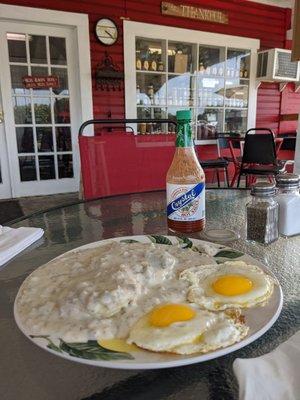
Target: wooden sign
(40, 82)
(202, 14)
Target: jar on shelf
(288, 198)
(262, 214)
(160, 66)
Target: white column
(297, 150)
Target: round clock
(106, 31)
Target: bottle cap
(263, 189)
(288, 181)
(184, 114)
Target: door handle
(1, 116)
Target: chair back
(259, 147)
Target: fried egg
(185, 329)
(229, 285)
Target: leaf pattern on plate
(231, 254)
(160, 239)
(185, 242)
(129, 241)
(89, 350)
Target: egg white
(207, 331)
(202, 293)
(222, 333)
(150, 337)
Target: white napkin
(13, 241)
(274, 376)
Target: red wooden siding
(249, 19)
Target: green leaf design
(129, 241)
(91, 350)
(231, 254)
(160, 239)
(50, 344)
(185, 242)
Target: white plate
(259, 319)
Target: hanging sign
(40, 82)
(202, 14)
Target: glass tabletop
(28, 372)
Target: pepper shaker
(262, 214)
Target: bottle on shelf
(153, 62)
(201, 68)
(138, 63)
(150, 93)
(185, 182)
(245, 74)
(138, 94)
(160, 66)
(146, 65)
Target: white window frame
(131, 30)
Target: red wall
(267, 23)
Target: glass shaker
(262, 213)
(288, 198)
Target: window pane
(150, 55)
(40, 71)
(17, 72)
(16, 47)
(57, 50)
(237, 93)
(61, 111)
(211, 61)
(210, 91)
(181, 90)
(209, 122)
(182, 57)
(65, 166)
(25, 140)
(236, 121)
(27, 168)
(22, 110)
(151, 89)
(63, 138)
(47, 170)
(62, 73)
(42, 110)
(44, 139)
(37, 47)
(238, 63)
(151, 112)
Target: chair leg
(239, 179)
(226, 175)
(218, 177)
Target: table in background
(29, 373)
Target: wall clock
(106, 31)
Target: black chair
(259, 156)
(216, 164)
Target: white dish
(259, 320)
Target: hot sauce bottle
(185, 182)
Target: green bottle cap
(184, 114)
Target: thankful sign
(202, 14)
(40, 82)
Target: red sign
(40, 82)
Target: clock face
(106, 31)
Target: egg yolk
(232, 285)
(167, 314)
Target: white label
(186, 202)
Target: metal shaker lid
(288, 180)
(263, 189)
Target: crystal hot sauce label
(186, 202)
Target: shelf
(144, 71)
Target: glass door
(38, 83)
